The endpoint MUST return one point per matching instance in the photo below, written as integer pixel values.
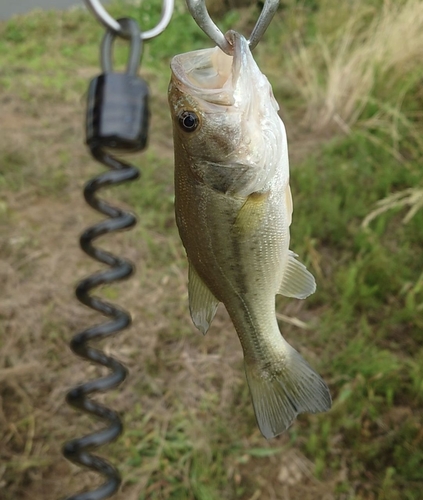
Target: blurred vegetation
(349, 79)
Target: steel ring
(96, 7)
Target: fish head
(224, 113)
(202, 104)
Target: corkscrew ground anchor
(117, 118)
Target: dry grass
(413, 198)
(340, 73)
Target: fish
(233, 209)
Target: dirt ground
(42, 213)
(42, 216)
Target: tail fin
(279, 397)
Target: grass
(348, 79)
(362, 68)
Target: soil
(42, 213)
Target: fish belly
(237, 245)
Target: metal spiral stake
(117, 118)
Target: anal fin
(297, 282)
(202, 303)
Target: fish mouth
(211, 74)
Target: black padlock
(117, 109)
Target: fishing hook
(201, 16)
(96, 7)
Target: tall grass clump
(360, 69)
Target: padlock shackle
(131, 27)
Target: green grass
(371, 325)
(188, 435)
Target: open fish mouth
(210, 74)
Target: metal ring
(201, 16)
(96, 7)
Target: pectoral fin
(202, 303)
(250, 217)
(297, 281)
(288, 201)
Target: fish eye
(188, 120)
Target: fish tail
(280, 394)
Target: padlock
(117, 109)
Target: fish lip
(240, 47)
(228, 70)
(184, 67)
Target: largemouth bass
(233, 210)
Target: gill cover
(235, 104)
